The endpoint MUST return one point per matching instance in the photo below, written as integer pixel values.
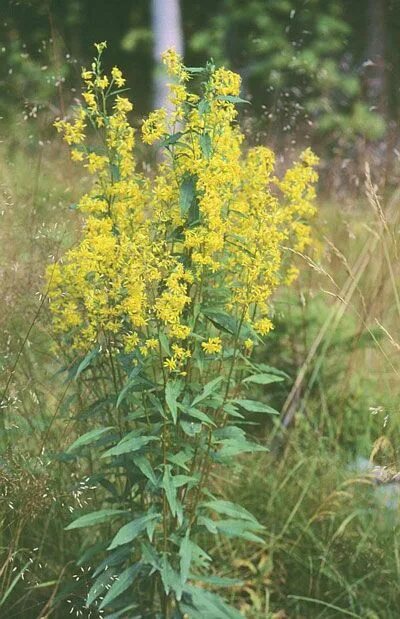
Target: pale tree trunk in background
(167, 32)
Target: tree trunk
(167, 32)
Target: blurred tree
(376, 55)
(296, 60)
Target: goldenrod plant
(162, 303)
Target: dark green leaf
(121, 584)
(86, 361)
(170, 490)
(187, 193)
(205, 145)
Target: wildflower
(90, 100)
(226, 82)
(118, 77)
(213, 345)
(174, 64)
(101, 46)
(154, 127)
(170, 364)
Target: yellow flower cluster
(212, 346)
(209, 228)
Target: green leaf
(129, 384)
(180, 459)
(203, 604)
(234, 445)
(222, 321)
(99, 586)
(88, 438)
(209, 388)
(263, 379)
(187, 193)
(131, 530)
(230, 509)
(144, 465)
(204, 107)
(263, 367)
(231, 99)
(191, 428)
(129, 444)
(116, 557)
(239, 528)
(170, 490)
(86, 361)
(170, 578)
(205, 145)
(121, 584)
(88, 520)
(172, 391)
(231, 410)
(254, 406)
(171, 139)
(196, 414)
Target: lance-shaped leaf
(230, 509)
(89, 438)
(208, 390)
(170, 489)
(172, 391)
(263, 379)
(121, 584)
(187, 192)
(85, 363)
(131, 530)
(254, 406)
(89, 520)
(129, 444)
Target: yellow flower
(90, 100)
(213, 345)
(248, 344)
(87, 75)
(226, 82)
(170, 364)
(122, 104)
(154, 127)
(77, 155)
(118, 77)
(101, 46)
(174, 64)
